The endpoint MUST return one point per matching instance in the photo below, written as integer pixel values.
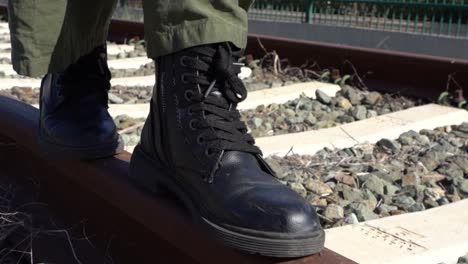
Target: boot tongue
(222, 89)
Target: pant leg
(172, 25)
(49, 35)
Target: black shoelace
(219, 92)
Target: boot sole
(146, 172)
(83, 153)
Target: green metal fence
(435, 17)
(440, 17)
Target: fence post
(309, 9)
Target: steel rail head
(409, 74)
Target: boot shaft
(194, 118)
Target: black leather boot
(74, 121)
(194, 145)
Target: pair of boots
(193, 144)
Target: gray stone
(463, 259)
(389, 144)
(260, 108)
(375, 185)
(444, 146)
(351, 194)
(345, 119)
(310, 119)
(462, 163)
(359, 112)
(433, 194)
(371, 113)
(289, 113)
(391, 189)
(416, 207)
(130, 139)
(463, 187)
(352, 95)
(403, 201)
(317, 187)
(330, 175)
(362, 211)
(432, 159)
(334, 212)
(351, 219)
(450, 170)
(276, 167)
(322, 97)
(325, 124)
(292, 120)
(369, 199)
(432, 177)
(461, 130)
(372, 98)
(386, 209)
(115, 99)
(428, 203)
(409, 138)
(443, 201)
(344, 103)
(424, 140)
(257, 122)
(367, 157)
(456, 142)
(316, 106)
(299, 188)
(305, 103)
(410, 179)
(331, 184)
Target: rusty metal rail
(410, 74)
(143, 227)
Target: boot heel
(143, 172)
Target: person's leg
(66, 41)
(49, 35)
(194, 143)
(173, 25)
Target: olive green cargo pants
(49, 35)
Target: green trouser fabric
(49, 35)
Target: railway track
(145, 229)
(388, 71)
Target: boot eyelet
(209, 152)
(200, 140)
(188, 95)
(192, 125)
(182, 61)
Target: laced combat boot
(74, 121)
(194, 145)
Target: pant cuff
(191, 34)
(66, 53)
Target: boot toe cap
(277, 210)
(72, 132)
